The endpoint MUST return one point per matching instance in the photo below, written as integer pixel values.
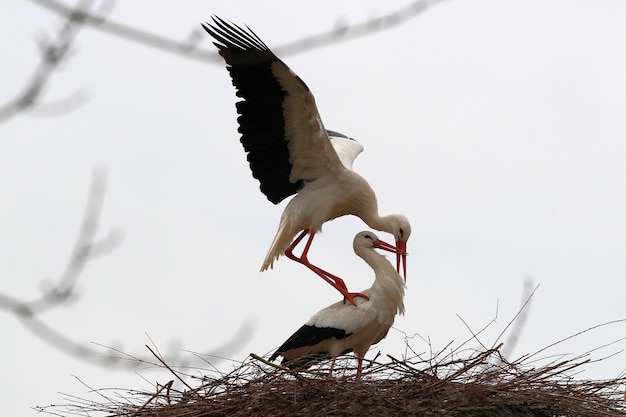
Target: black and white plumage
(341, 328)
(290, 152)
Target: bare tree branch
(52, 54)
(86, 248)
(132, 34)
(189, 49)
(65, 105)
(114, 357)
(55, 51)
(345, 32)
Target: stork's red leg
(338, 283)
(332, 365)
(333, 280)
(289, 251)
(358, 368)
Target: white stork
(290, 152)
(341, 328)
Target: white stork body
(290, 152)
(341, 328)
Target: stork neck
(388, 284)
(375, 221)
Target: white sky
(497, 127)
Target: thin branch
(366, 28)
(519, 320)
(129, 33)
(164, 363)
(189, 49)
(475, 335)
(608, 323)
(65, 105)
(53, 53)
(78, 350)
(272, 364)
(56, 50)
(154, 396)
(83, 252)
(85, 249)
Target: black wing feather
(308, 335)
(261, 121)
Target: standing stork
(341, 328)
(290, 152)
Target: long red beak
(399, 249)
(401, 256)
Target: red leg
(289, 251)
(338, 283)
(332, 365)
(358, 368)
(333, 280)
(305, 252)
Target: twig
(81, 254)
(167, 385)
(519, 320)
(475, 335)
(98, 392)
(575, 335)
(191, 51)
(53, 53)
(86, 248)
(369, 27)
(129, 33)
(272, 364)
(168, 368)
(279, 367)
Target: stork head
(367, 239)
(370, 240)
(400, 228)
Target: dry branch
(63, 288)
(190, 49)
(56, 50)
(53, 53)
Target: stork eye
(368, 237)
(401, 233)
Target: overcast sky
(497, 127)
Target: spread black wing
(261, 121)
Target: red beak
(399, 250)
(401, 256)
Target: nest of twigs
(483, 384)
